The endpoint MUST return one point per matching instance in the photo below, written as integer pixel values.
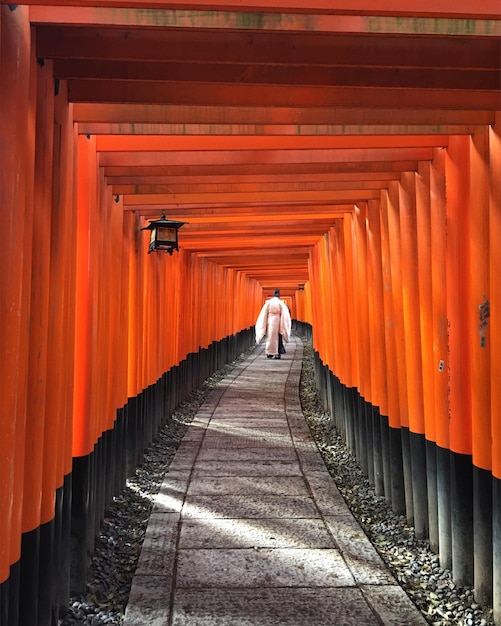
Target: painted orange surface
(15, 156)
(450, 8)
(411, 306)
(458, 277)
(36, 417)
(495, 288)
(349, 155)
(397, 286)
(479, 299)
(379, 385)
(425, 279)
(390, 337)
(440, 368)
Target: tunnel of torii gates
(346, 152)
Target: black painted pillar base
(462, 518)
(431, 477)
(496, 548)
(417, 446)
(444, 507)
(80, 522)
(397, 473)
(385, 451)
(47, 573)
(482, 537)
(29, 580)
(64, 563)
(14, 595)
(131, 410)
(351, 431)
(377, 447)
(407, 467)
(4, 603)
(369, 436)
(361, 435)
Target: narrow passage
(248, 527)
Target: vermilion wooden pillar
(120, 277)
(27, 205)
(327, 281)
(440, 354)
(379, 398)
(395, 245)
(394, 485)
(361, 322)
(315, 311)
(342, 307)
(342, 322)
(175, 280)
(37, 354)
(351, 303)
(131, 228)
(425, 256)
(16, 156)
(495, 338)
(412, 313)
(479, 306)
(334, 355)
(82, 437)
(62, 298)
(83, 427)
(318, 256)
(458, 280)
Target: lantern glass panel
(166, 234)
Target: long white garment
(273, 319)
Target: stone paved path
(249, 529)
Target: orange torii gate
(350, 155)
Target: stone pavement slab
(240, 467)
(255, 533)
(242, 485)
(262, 567)
(249, 529)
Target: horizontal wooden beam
(290, 223)
(258, 257)
(129, 184)
(270, 158)
(295, 75)
(258, 169)
(415, 8)
(245, 243)
(357, 115)
(196, 188)
(207, 130)
(182, 143)
(262, 212)
(221, 94)
(268, 48)
(256, 197)
(335, 22)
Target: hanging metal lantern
(163, 237)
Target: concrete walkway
(249, 528)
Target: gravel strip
(412, 563)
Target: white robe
(274, 319)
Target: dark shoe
(269, 356)
(277, 356)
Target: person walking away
(273, 320)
